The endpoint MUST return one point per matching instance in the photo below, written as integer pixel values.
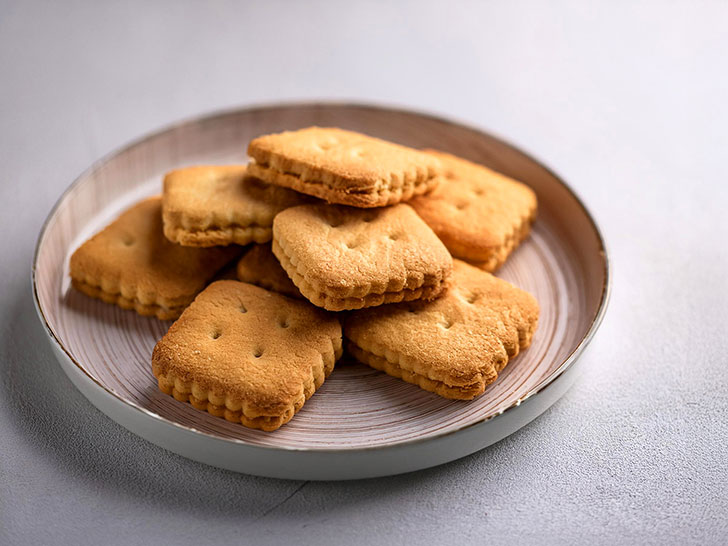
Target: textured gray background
(627, 102)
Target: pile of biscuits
(338, 235)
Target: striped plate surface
(562, 264)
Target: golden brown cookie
(343, 166)
(260, 267)
(479, 214)
(131, 263)
(453, 346)
(347, 258)
(220, 205)
(248, 355)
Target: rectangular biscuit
(343, 167)
(348, 258)
(454, 345)
(251, 356)
(221, 205)
(131, 263)
(480, 215)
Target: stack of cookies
(338, 235)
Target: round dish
(361, 423)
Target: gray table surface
(627, 102)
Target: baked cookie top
(253, 350)
(343, 167)
(259, 266)
(480, 214)
(344, 252)
(219, 205)
(132, 259)
(461, 339)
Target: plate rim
(261, 107)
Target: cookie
(132, 264)
(480, 215)
(259, 266)
(453, 346)
(348, 258)
(248, 355)
(221, 205)
(343, 167)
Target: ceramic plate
(361, 423)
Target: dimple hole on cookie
(461, 206)
(242, 308)
(216, 333)
(472, 298)
(478, 191)
(351, 245)
(446, 323)
(327, 144)
(283, 323)
(127, 240)
(367, 218)
(258, 352)
(394, 236)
